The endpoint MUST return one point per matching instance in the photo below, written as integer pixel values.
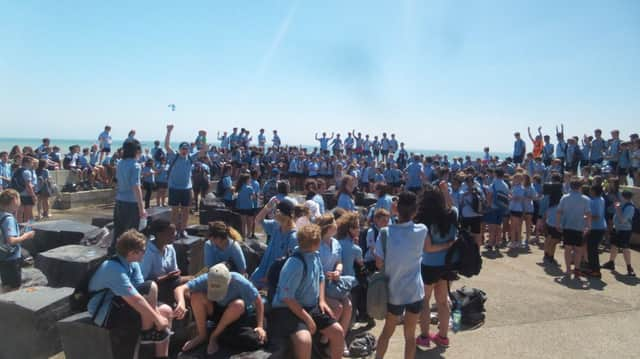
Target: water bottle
(456, 318)
(143, 224)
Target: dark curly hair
(433, 211)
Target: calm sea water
(7, 143)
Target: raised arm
(529, 132)
(167, 139)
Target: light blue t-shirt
(386, 201)
(624, 222)
(346, 202)
(320, 201)
(414, 172)
(10, 229)
(436, 259)
(180, 173)
(155, 264)
(117, 275)
(128, 175)
(232, 253)
(245, 197)
(330, 254)
(498, 185)
(227, 184)
(280, 245)
(292, 285)
(402, 259)
(574, 206)
(239, 288)
(518, 194)
(351, 252)
(597, 213)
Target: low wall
(67, 200)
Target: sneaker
(609, 265)
(630, 272)
(423, 343)
(554, 262)
(154, 336)
(438, 340)
(545, 260)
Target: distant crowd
(319, 259)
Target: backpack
(17, 180)
(273, 274)
(6, 250)
(635, 221)
(81, 295)
(500, 199)
(478, 202)
(470, 301)
(470, 260)
(362, 346)
(378, 289)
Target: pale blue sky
(440, 74)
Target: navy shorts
(398, 310)
(553, 232)
(434, 274)
(495, 216)
(288, 323)
(621, 239)
(572, 238)
(27, 201)
(179, 197)
(472, 224)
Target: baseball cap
(285, 207)
(184, 145)
(218, 282)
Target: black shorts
(162, 185)
(433, 274)
(247, 319)
(572, 238)
(106, 150)
(621, 239)
(472, 224)
(11, 273)
(236, 164)
(27, 201)
(553, 232)
(518, 159)
(122, 316)
(414, 189)
(179, 197)
(200, 187)
(516, 214)
(384, 152)
(398, 310)
(623, 171)
(287, 323)
(376, 153)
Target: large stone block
(53, 234)
(209, 214)
(225, 353)
(253, 251)
(155, 213)
(101, 221)
(66, 266)
(81, 339)
(28, 323)
(190, 254)
(198, 230)
(365, 199)
(330, 200)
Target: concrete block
(198, 230)
(66, 266)
(82, 339)
(253, 251)
(53, 234)
(32, 277)
(155, 213)
(101, 221)
(68, 200)
(28, 324)
(190, 254)
(210, 214)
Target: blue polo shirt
(386, 201)
(117, 275)
(598, 147)
(128, 175)
(414, 172)
(330, 254)
(245, 197)
(10, 229)
(239, 288)
(292, 285)
(597, 210)
(402, 259)
(351, 252)
(624, 222)
(232, 253)
(280, 245)
(574, 206)
(518, 148)
(346, 202)
(180, 174)
(227, 184)
(155, 263)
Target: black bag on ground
(471, 303)
(240, 337)
(362, 346)
(469, 259)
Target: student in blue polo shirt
(124, 302)
(282, 233)
(104, 141)
(519, 149)
(179, 182)
(324, 141)
(5, 170)
(598, 228)
(221, 247)
(497, 188)
(622, 223)
(10, 237)
(245, 202)
(415, 175)
(401, 260)
(348, 231)
(129, 207)
(345, 196)
(227, 298)
(299, 305)
(573, 219)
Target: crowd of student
(421, 202)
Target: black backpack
(635, 221)
(17, 180)
(470, 301)
(220, 188)
(470, 260)
(273, 275)
(81, 294)
(478, 203)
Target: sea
(6, 143)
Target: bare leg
(162, 349)
(425, 315)
(410, 321)
(175, 215)
(201, 308)
(335, 334)
(444, 312)
(184, 218)
(390, 322)
(301, 341)
(626, 253)
(568, 257)
(234, 311)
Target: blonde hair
(219, 229)
(346, 222)
(325, 222)
(309, 236)
(7, 197)
(130, 241)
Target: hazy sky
(440, 74)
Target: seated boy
(227, 298)
(299, 306)
(118, 303)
